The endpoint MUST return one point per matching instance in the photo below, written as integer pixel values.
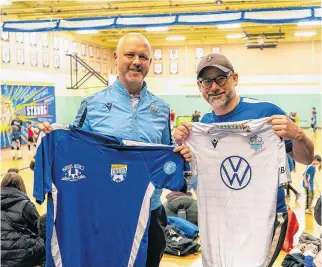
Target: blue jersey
(15, 135)
(246, 109)
(99, 194)
(309, 175)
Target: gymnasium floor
(306, 221)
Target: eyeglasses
(220, 80)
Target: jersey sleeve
(166, 169)
(43, 167)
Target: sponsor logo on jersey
(118, 172)
(73, 172)
(214, 143)
(169, 167)
(237, 127)
(109, 106)
(256, 142)
(154, 109)
(235, 172)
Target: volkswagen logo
(235, 172)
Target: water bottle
(182, 212)
(308, 261)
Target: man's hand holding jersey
(302, 148)
(180, 134)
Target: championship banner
(31, 102)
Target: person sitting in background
(13, 170)
(21, 245)
(308, 182)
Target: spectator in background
(196, 116)
(21, 245)
(308, 182)
(297, 119)
(31, 134)
(291, 116)
(15, 141)
(18, 123)
(172, 118)
(313, 120)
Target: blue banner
(31, 102)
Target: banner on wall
(35, 103)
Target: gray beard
(223, 102)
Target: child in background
(31, 134)
(15, 141)
(308, 182)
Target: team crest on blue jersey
(73, 172)
(118, 172)
(235, 172)
(256, 142)
(169, 167)
(154, 109)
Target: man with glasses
(216, 79)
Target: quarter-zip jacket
(110, 112)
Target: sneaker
(311, 250)
(299, 248)
(13, 158)
(309, 211)
(20, 158)
(298, 195)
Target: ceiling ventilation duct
(263, 40)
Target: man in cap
(216, 79)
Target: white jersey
(240, 166)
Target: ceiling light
(301, 34)
(309, 23)
(87, 31)
(219, 2)
(175, 38)
(236, 35)
(5, 2)
(228, 26)
(156, 29)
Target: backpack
(177, 244)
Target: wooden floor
(306, 221)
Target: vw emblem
(235, 172)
